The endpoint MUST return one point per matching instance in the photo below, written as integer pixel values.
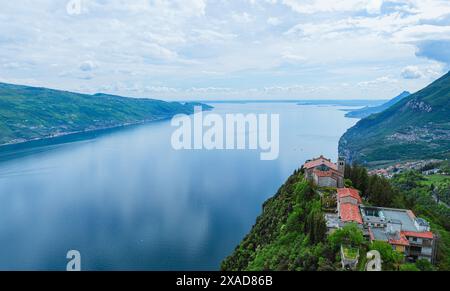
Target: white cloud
(378, 81)
(87, 66)
(157, 48)
(293, 58)
(422, 32)
(166, 8)
(160, 52)
(210, 36)
(274, 21)
(243, 17)
(411, 72)
(314, 6)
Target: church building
(325, 173)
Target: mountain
(366, 111)
(29, 113)
(367, 103)
(417, 127)
(289, 235)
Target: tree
(379, 191)
(409, 268)
(325, 265)
(348, 183)
(358, 176)
(392, 259)
(319, 227)
(445, 167)
(424, 265)
(349, 235)
(443, 191)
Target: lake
(127, 201)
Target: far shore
(90, 130)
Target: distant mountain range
(366, 111)
(325, 102)
(30, 113)
(342, 102)
(416, 127)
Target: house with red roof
(349, 195)
(324, 173)
(348, 200)
(349, 213)
(402, 230)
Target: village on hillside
(426, 167)
(406, 233)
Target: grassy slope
(436, 179)
(30, 113)
(375, 138)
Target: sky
(226, 49)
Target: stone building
(325, 173)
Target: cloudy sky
(226, 49)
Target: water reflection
(127, 201)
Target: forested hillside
(417, 127)
(28, 113)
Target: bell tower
(341, 165)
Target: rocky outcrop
(419, 106)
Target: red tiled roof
(427, 234)
(323, 173)
(350, 213)
(399, 242)
(320, 161)
(349, 192)
(326, 173)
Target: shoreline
(64, 134)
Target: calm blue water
(127, 201)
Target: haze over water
(127, 201)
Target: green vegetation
(440, 186)
(414, 195)
(445, 167)
(436, 179)
(375, 189)
(420, 265)
(28, 113)
(439, 183)
(351, 253)
(417, 127)
(409, 191)
(392, 259)
(289, 235)
(291, 232)
(350, 235)
(409, 268)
